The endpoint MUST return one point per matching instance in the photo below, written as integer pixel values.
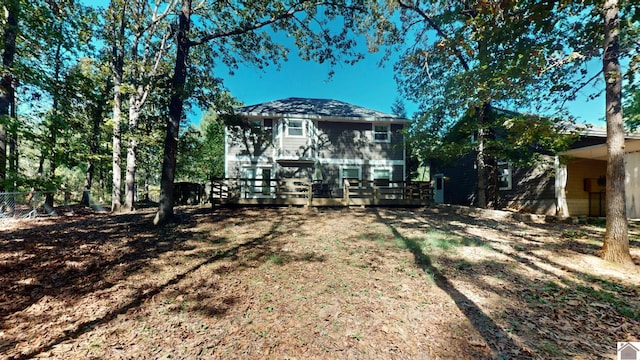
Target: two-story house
(318, 140)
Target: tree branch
(241, 29)
(582, 86)
(438, 30)
(246, 28)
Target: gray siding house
(319, 140)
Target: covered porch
(581, 180)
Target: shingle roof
(326, 109)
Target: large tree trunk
(616, 239)
(115, 153)
(7, 91)
(483, 162)
(53, 162)
(165, 208)
(117, 74)
(132, 150)
(481, 168)
(94, 149)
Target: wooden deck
(301, 192)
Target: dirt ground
(296, 283)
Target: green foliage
(461, 57)
(632, 109)
(398, 108)
(201, 150)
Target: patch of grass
(275, 259)
(550, 286)
(462, 265)
(373, 236)
(598, 222)
(612, 299)
(420, 258)
(551, 348)
(572, 234)
(447, 241)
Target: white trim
(560, 186)
(356, 162)
(367, 119)
(404, 157)
(226, 153)
(251, 159)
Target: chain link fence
(15, 205)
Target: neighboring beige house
(318, 140)
(580, 182)
(571, 183)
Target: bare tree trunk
(117, 74)
(132, 151)
(616, 239)
(493, 189)
(481, 159)
(52, 163)
(165, 208)
(115, 165)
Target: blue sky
(364, 84)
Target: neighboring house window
(504, 175)
(295, 128)
(381, 133)
(349, 172)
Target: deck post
(345, 191)
(309, 194)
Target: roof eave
(325, 118)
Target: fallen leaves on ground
(311, 283)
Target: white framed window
(381, 176)
(381, 132)
(504, 175)
(295, 128)
(381, 173)
(350, 172)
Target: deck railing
(302, 191)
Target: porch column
(632, 184)
(562, 209)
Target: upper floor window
(295, 128)
(381, 133)
(256, 124)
